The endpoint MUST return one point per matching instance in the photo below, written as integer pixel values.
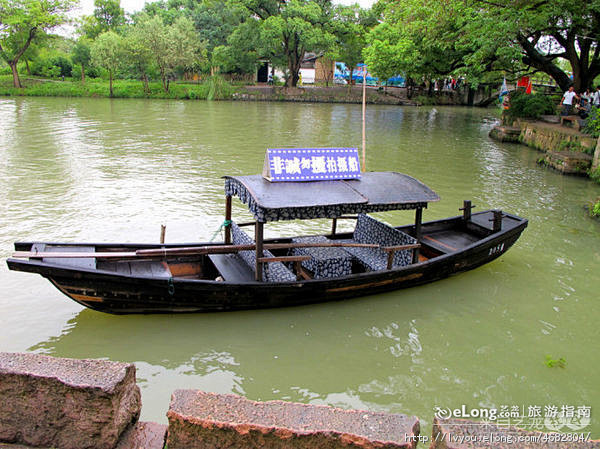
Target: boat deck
(449, 240)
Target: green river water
(115, 170)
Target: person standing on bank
(567, 100)
(596, 97)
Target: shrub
(530, 106)
(595, 175)
(53, 67)
(592, 124)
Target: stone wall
(565, 149)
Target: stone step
(65, 403)
(199, 420)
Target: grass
(213, 89)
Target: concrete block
(199, 420)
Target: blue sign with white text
(311, 164)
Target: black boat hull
(125, 294)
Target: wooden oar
(184, 251)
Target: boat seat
(325, 262)
(272, 271)
(369, 230)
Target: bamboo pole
(184, 251)
(364, 119)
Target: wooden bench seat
(232, 267)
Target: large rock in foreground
(66, 403)
(199, 420)
(465, 434)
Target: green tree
(107, 51)
(22, 21)
(108, 15)
(350, 25)
(478, 37)
(288, 29)
(418, 38)
(170, 46)
(137, 54)
(81, 54)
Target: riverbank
(565, 149)
(217, 88)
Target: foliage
(551, 363)
(575, 146)
(121, 89)
(218, 88)
(107, 52)
(23, 21)
(108, 16)
(594, 208)
(52, 67)
(482, 40)
(170, 46)
(81, 55)
(595, 175)
(287, 30)
(592, 124)
(530, 106)
(350, 25)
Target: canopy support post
(227, 219)
(333, 226)
(418, 220)
(258, 238)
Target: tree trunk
(164, 83)
(15, 73)
(27, 67)
(82, 73)
(110, 83)
(294, 69)
(146, 87)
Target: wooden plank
(232, 267)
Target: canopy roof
(374, 192)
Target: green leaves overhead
(482, 40)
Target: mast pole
(364, 118)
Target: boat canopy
(374, 192)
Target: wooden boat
(246, 273)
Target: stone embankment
(334, 94)
(48, 402)
(564, 148)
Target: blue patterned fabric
(273, 271)
(234, 187)
(326, 262)
(369, 230)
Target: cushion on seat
(369, 230)
(272, 271)
(325, 262)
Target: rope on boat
(224, 224)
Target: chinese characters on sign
(311, 164)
